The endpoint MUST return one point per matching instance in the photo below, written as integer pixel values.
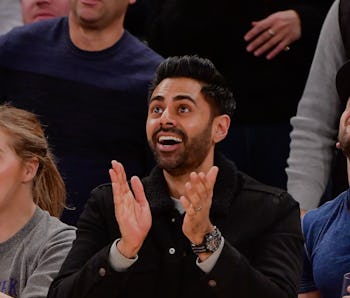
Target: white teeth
(169, 138)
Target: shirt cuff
(208, 264)
(117, 261)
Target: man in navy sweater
(87, 77)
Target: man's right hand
(131, 212)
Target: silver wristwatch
(211, 242)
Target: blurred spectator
(33, 242)
(36, 10)
(315, 126)
(10, 15)
(327, 229)
(15, 13)
(88, 79)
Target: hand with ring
(274, 34)
(199, 208)
(197, 203)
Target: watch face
(213, 245)
(213, 240)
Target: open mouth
(169, 140)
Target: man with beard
(264, 49)
(196, 226)
(326, 229)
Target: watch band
(198, 248)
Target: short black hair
(215, 89)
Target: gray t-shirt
(31, 258)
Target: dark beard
(193, 156)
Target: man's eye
(157, 110)
(183, 109)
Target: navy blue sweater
(93, 104)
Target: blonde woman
(33, 241)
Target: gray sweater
(315, 125)
(10, 15)
(31, 258)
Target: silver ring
(197, 209)
(286, 49)
(272, 33)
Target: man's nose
(167, 119)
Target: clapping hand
(131, 210)
(197, 202)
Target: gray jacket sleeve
(315, 125)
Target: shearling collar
(156, 188)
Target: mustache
(170, 129)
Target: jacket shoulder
(254, 190)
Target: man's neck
(94, 39)
(176, 184)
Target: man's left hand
(197, 202)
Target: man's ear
(221, 124)
(30, 168)
(344, 131)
